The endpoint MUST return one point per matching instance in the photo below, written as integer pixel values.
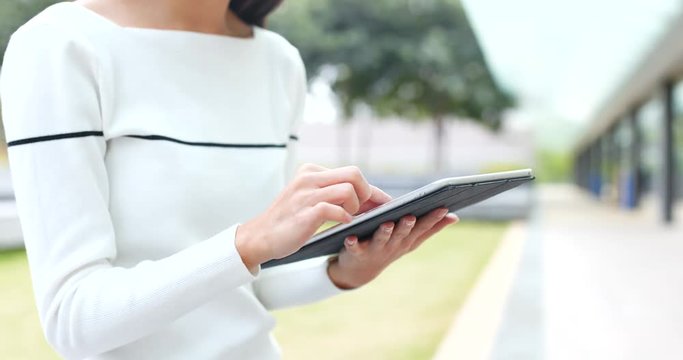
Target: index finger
(377, 198)
(310, 167)
(349, 174)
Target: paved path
(474, 328)
(613, 282)
(6, 192)
(594, 282)
(10, 230)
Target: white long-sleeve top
(135, 154)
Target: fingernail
(351, 240)
(443, 212)
(410, 222)
(388, 228)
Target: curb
(473, 332)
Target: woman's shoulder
(282, 48)
(55, 39)
(59, 22)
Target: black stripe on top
(146, 137)
(54, 137)
(214, 144)
(293, 137)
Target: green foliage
(414, 59)
(553, 165)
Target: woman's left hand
(361, 261)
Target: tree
(416, 59)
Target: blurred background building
(631, 153)
(396, 147)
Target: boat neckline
(254, 29)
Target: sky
(564, 57)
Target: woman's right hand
(314, 196)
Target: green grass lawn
(3, 156)
(404, 313)
(401, 315)
(20, 334)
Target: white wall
(402, 147)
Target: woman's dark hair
(253, 12)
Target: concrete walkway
(10, 229)
(474, 328)
(613, 281)
(593, 282)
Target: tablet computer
(453, 193)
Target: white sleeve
(305, 281)
(50, 93)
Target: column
(635, 149)
(668, 154)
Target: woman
(151, 147)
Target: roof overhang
(664, 62)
